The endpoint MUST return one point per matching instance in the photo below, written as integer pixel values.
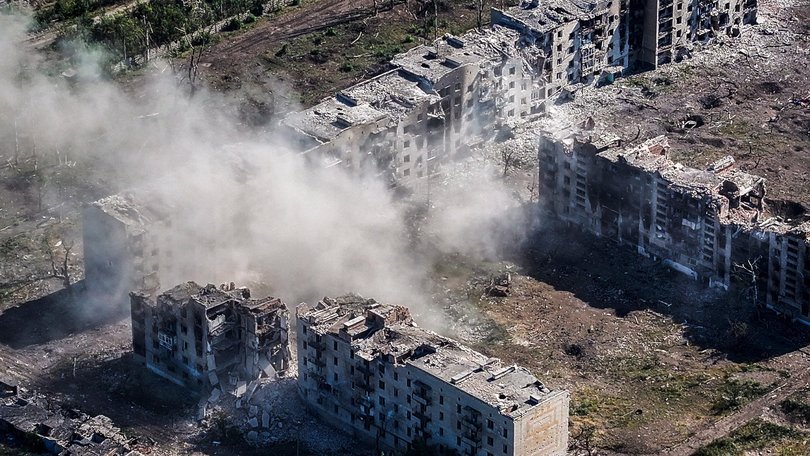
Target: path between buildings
(799, 379)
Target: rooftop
(385, 331)
(131, 209)
(552, 14)
(392, 93)
(449, 52)
(326, 120)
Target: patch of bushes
(755, 435)
(796, 410)
(737, 393)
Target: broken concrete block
(215, 394)
(213, 379)
(212, 365)
(238, 404)
(252, 436)
(251, 388)
(265, 420)
(266, 367)
(253, 422)
(241, 388)
(253, 411)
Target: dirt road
(307, 19)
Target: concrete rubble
(31, 421)
(211, 340)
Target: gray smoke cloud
(246, 206)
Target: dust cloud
(245, 206)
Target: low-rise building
(209, 338)
(366, 368)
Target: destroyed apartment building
(120, 252)
(715, 225)
(31, 423)
(439, 98)
(210, 339)
(368, 369)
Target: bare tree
(59, 255)
(509, 159)
(479, 7)
(748, 272)
(534, 194)
(582, 441)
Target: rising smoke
(245, 206)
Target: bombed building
(404, 123)
(586, 42)
(209, 338)
(367, 369)
(120, 252)
(440, 97)
(715, 225)
(35, 424)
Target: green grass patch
(796, 408)
(323, 62)
(735, 394)
(755, 435)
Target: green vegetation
(796, 408)
(755, 435)
(148, 24)
(323, 62)
(736, 393)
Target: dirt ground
(649, 357)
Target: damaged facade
(36, 425)
(584, 42)
(209, 338)
(120, 253)
(367, 369)
(403, 124)
(714, 225)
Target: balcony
(364, 369)
(471, 421)
(423, 417)
(472, 439)
(317, 345)
(421, 396)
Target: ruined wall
(204, 338)
(693, 229)
(389, 400)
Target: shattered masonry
(367, 369)
(32, 419)
(209, 338)
(714, 225)
(404, 123)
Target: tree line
(146, 25)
